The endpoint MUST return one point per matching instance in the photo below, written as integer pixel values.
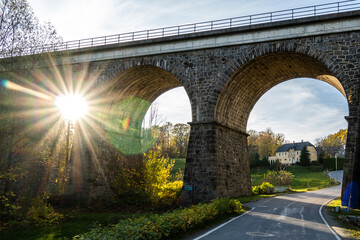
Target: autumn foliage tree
(333, 143)
(173, 140)
(263, 144)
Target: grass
(78, 222)
(179, 164)
(304, 179)
(350, 229)
(74, 223)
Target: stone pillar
(351, 180)
(87, 177)
(217, 163)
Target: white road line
(218, 227)
(320, 209)
(332, 231)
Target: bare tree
(21, 32)
(155, 118)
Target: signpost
(190, 188)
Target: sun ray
(92, 122)
(57, 76)
(89, 144)
(16, 87)
(32, 112)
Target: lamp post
(336, 160)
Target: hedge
(329, 163)
(167, 224)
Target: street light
(336, 160)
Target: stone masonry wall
(219, 119)
(207, 74)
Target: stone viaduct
(224, 73)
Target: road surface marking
(332, 231)
(218, 227)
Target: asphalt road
(290, 216)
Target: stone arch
(121, 102)
(254, 78)
(128, 97)
(224, 139)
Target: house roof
(298, 146)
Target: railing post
(220, 24)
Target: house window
(291, 153)
(285, 154)
(297, 153)
(313, 154)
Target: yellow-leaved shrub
(149, 184)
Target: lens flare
(13, 86)
(126, 123)
(72, 107)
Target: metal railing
(269, 17)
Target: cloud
(300, 109)
(173, 106)
(76, 19)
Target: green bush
(264, 188)
(10, 210)
(278, 178)
(167, 224)
(41, 213)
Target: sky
(302, 109)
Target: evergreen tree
(305, 157)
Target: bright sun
(72, 107)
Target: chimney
(302, 140)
